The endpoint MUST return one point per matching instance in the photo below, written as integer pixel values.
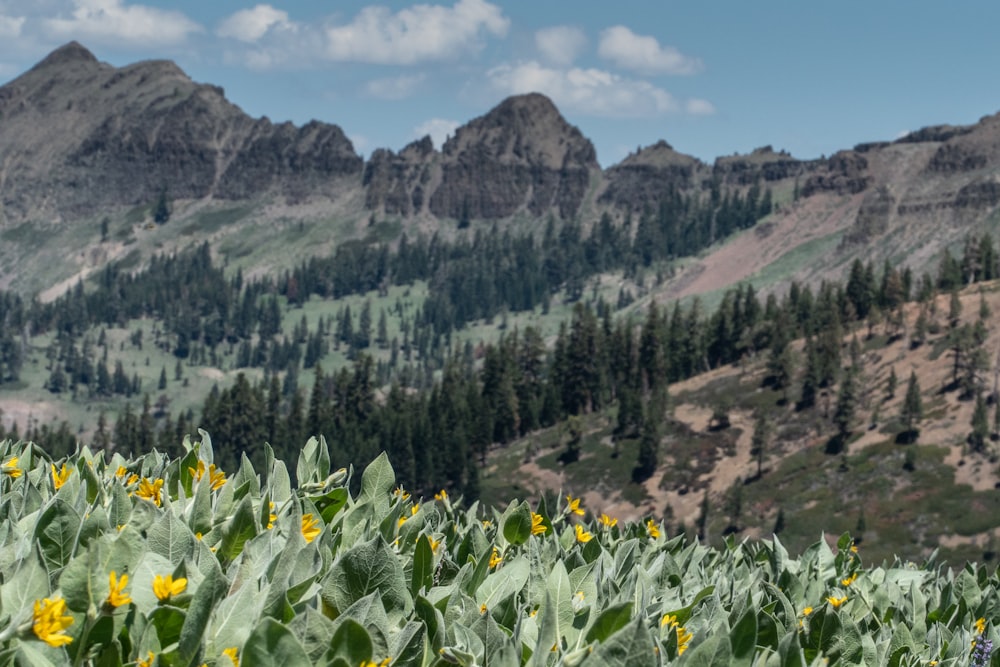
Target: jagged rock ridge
(79, 136)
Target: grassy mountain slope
(902, 499)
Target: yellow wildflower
(233, 654)
(980, 625)
(434, 544)
(166, 587)
(683, 636)
(807, 611)
(849, 580)
(582, 536)
(400, 493)
(117, 595)
(215, 476)
(652, 529)
(607, 521)
(150, 490)
(537, 525)
(148, 662)
(271, 517)
(10, 468)
(495, 558)
(369, 663)
(487, 524)
(49, 622)
(132, 479)
(836, 602)
(482, 608)
(441, 496)
(59, 477)
(121, 472)
(402, 519)
(574, 506)
(310, 527)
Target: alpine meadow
(271, 395)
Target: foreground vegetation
(176, 562)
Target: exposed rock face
(520, 157)
(763, 164)
(396, 183)
(523, 153)
(79, 136)
(873, 216)
(646, 176)
(844, 174)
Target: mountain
(81, 137)
(82, 140)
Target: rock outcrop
(643, 178)
(521, 157)
(79, 136)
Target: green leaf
(22, 587)
(744, 637)
(366, 568)
(121, 506)
(422, 575)
(170, 538)
(56, 533)
(238, 530)
(631, 646)
(713, 652)
(271, 644)
(280, 484)
(198, 614)
(609, 621)
(506, 581)
(407, 648)
(307, 469)
(351, 642)
(201, 509)
(376, 484)
(517, 526)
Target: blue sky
(711, 78)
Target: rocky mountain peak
(81, 136)
(67, 54)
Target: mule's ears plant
(177, 562)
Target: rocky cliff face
(521, 157)
(79, 136)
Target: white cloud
(394, 88)
(699, 107)
(10, 26)
(439, 129)
(590, 91)
(643, 53)
(415, 34)
(112, 21)
(561, 44)
(249, 25)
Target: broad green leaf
(377, 482)
(744, 637)
(507, 580)
(715, 651)
(56, 533)
(609, 621)
(170, 538)
(517, 524)
(422, 575)
(366, 568)
(22, 587)
(271, 644)
(351, 642)
(198, 614)
(238, 530)
(632, 646)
